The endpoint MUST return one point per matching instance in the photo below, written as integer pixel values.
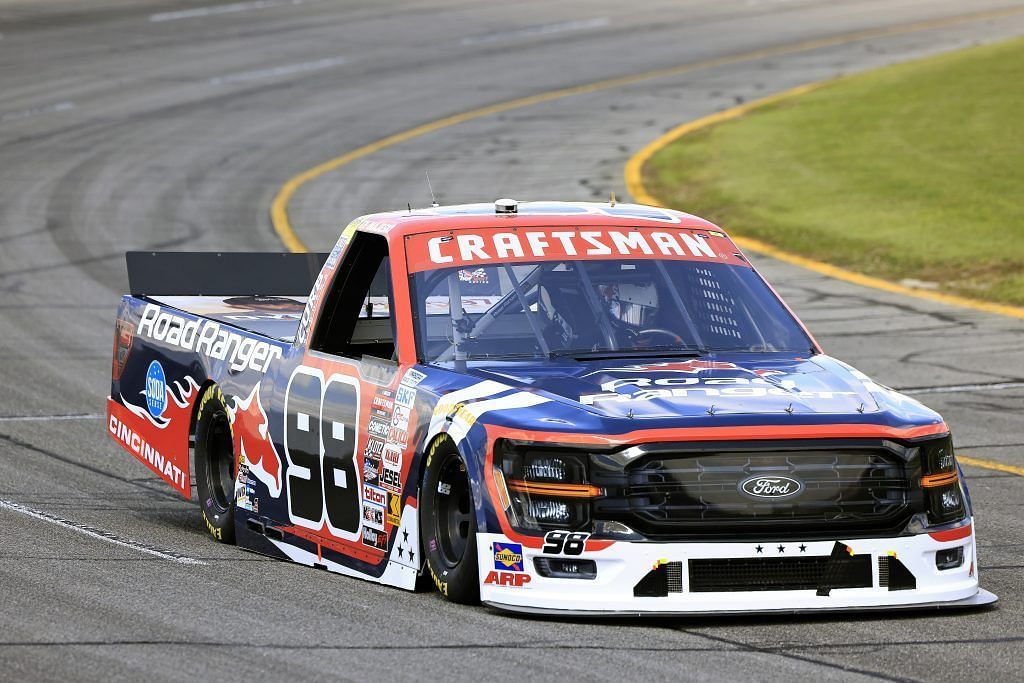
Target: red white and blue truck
(549, 407)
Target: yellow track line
(279, 207)
(990, 465)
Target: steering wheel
(641, 340)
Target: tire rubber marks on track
(36, 111)
(98, 534)
(230, 8)
(278, 71)
(537, 31)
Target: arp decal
(507, 579)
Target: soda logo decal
(156, 389)
(771, 486)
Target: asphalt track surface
(130, 124)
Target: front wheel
(215, 465)
(448, 524)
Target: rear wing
(215, 273)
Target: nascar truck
(569, 408)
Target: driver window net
(714, 310)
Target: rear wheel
(215, 466)
(448, 524)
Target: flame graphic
(252, 440)
(177, 408)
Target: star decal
(759, 549)
(401, 551)
(782, 548)
(405, 535)
(803, 548)
(411, 554)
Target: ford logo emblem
(771, 486)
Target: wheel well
(192, 425)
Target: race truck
(570, 408)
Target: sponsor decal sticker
(208, 338)
(378, 428)
(156, 389)
(374, 538)
(499, 245)
(509, 579)
(373, 516)
(391, 479)
(375, 495)
(508, 557)
(374, 448)
(371, 470)
(394, 510)
(405, 396)
(413, 377)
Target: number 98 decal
(564, 542)
(320, 443)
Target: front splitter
(979, 599)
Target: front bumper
(622, 565)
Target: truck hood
(741, 384)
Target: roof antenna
(409, 204)
(612, 202)
(433, 200)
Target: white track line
(98, 534)
(535, 31)
(231, 8)
(35, 111)
(273, 72)
(47, 418)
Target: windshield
(574, 308)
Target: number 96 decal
(564, 542)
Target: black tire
(215, 465)
(448, 524)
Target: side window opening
(356, 317)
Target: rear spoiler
(215, 273)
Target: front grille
(842, 489)
(776, 574)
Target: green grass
(911, 171)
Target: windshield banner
(429, 251)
